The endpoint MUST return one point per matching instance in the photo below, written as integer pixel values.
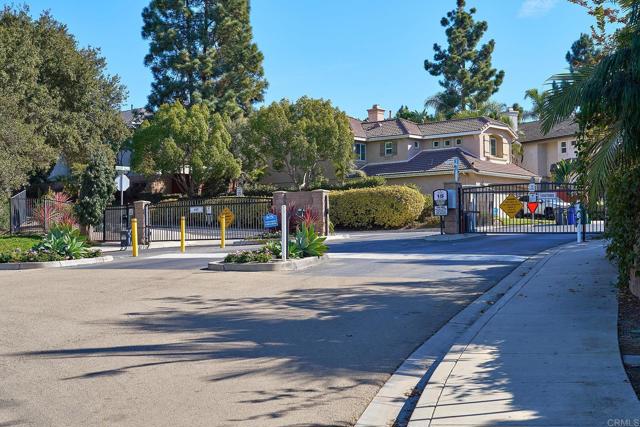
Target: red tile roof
(442, 161)
(399, 127)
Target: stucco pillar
(452, 223)
(139, 214)
(316, 200)
(320, 203)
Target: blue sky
(354, 52)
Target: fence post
(138, 214)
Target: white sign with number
(196, 209)
(440, 197)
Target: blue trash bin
(571, 215)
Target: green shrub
(431, 222)
(307, 243)
(4, 213)
(243, 257)
(623, 227)
(352, 183)
(390, 206)
(427, 209)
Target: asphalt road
(158, 341)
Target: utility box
(452, 199)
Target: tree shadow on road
(358, 333)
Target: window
(493, 147)
(447, 143)
(416, 144)
(361, 151)
(388, 148)
(573, 143)
(563, 147)
(458, 141)
(436, 144)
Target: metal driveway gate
(528, 208)
(115, 220)
(201, 218)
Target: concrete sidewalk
(546, 354)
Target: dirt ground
(629, 331)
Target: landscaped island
(61, 243)
(306, 243)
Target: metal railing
(549, 208)
(37, 215)
(201, 218)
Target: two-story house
(541, 152)
(423, 154)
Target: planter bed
(55, 264)
(288, 265)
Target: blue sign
(270, 220)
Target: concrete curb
(395, 401)
(290, 265)
(55, 264)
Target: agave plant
(64, 240)
(307, 243)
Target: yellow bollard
(223, 227)
(134, 237)
(182, 232)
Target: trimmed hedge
(391, 206)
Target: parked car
(548, 205)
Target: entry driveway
(157, 341)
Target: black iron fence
(115, 220)
(529, 208)
(202, 218)
(37, 215)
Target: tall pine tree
(202, 51)
(583, 52)
(466, 69)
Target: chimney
(513, 118)
(375, 114)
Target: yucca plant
(307, 243)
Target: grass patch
(10, 243)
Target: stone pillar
(452, 223)
(316, 200)
(139, 214)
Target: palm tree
(537, 99)
(604, 98)
(445, 104)
(563, 171)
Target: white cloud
(531, 8)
